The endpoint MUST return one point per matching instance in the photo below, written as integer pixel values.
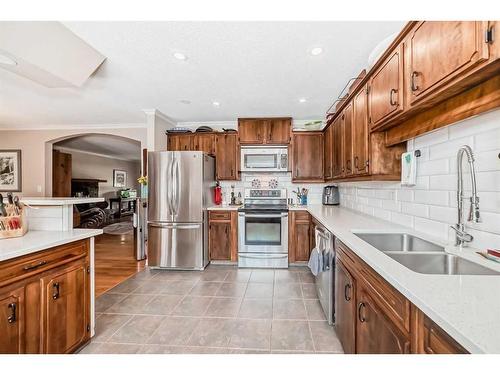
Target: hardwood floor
(114, 261)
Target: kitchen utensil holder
(15, 224)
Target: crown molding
(42, 127)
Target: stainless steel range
(263, 229)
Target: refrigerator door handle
(170, 186)
(177, 186)
(175, 226)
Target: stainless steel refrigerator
(180, 185)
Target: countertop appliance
(331, 195)
(263, 229)
(264, 159)
(180, 190)
(325, 280)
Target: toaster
(331, 195)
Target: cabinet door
(360, 133)
(278, 131)
(302, 241)
(179, 142)
(204, 142)
(226, 150)
(375, 332)
(66, 295)
(12, 321)
(220, 240)
(252, 131)
(338, 148)
(439, 51)
(386, 90)
(328, 154)
(308, 156)
(347, 129)
(345, 308)
(433, 340)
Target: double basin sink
(422, 256)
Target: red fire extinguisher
(218, 194)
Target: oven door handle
(266, 256)
(263, 215)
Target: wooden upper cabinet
(204, 142)
(348, 139)
(307, 160)
(180, 142)
(376, 333)
(360, 134)
(328, 152)
(385, 96)
(345, 308)
(66, 296)
(338, 148)
(438, 51)
(264, 130)
(227, 151)
(12, 321)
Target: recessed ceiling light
(302, 100)
(185, 101)
(316, 51)
(180, 56)
(216, 104)
(6, 60)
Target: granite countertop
(37, 240)
(465, 306)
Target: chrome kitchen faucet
(462, 237)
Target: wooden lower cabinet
(45, 301)
(371, 317)
(300, 236)
(223, 235)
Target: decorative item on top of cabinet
(227, 156)
(300, 236)
(264, 130)
(223, 235)
(307, 156)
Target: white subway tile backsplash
(431, 206)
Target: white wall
(157, 124)
(430, 206)
(86, 165)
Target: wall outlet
(39, 188)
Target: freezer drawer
(262, 260)
(177, 245)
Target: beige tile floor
(220, 310)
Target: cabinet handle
(36, 265)
(297, 172)
(360, 307)
(347, 296)
(232, 172)
(348, 165)
(55, 288)
(393, 102)
(414, 86)
(356, 163)
(12, 317)
(226, 230)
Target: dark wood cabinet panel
(66, 293)
(227, 156)
(220, 240)
(252, 131)
(307, 159)
(204, 142)
(441, 50)
(180, 142)
(345, 308)
(300, 237)
(328, 153)
(375, 332)
(61, 174)
(349, 140)
(385, 94)
(279, 131)
(12, 307)
(338, 148)
(360, 134)
(303, 241)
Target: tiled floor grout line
(120, 327)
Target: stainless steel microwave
(264, 159)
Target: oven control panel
(266, 193)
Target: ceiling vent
(47, 53)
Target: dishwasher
(325, 280)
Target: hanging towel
(315, 263)
(408, 169)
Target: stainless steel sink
(440, 264)
(398, 242)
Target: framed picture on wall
(10, 170)
(119, 178)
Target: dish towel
(315, 263)
(408, 169)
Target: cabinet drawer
(29, 265)
(220, 215)
(302, 216)
(395, 305)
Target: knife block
(13, 225)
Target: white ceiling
(104, 145)
(251, 68)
